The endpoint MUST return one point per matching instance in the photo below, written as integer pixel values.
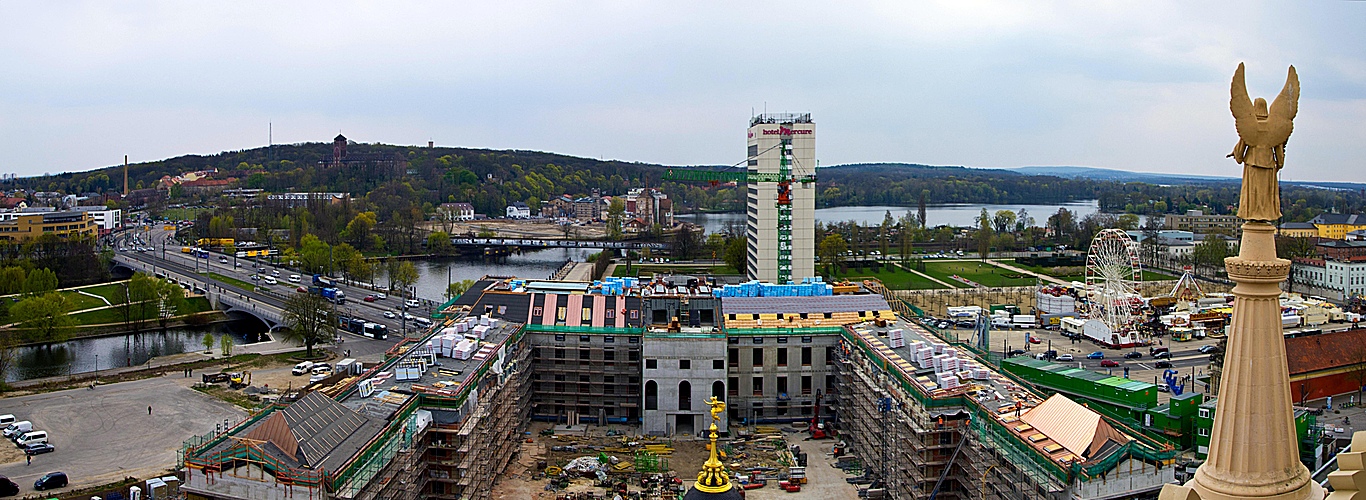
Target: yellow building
(21, 227)
(1336, 226)
(1298, 230)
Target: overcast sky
(1138, 86)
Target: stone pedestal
(1253, 450)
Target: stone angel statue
(1262, 134)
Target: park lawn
(79, 302)
(115, 292)
(900, 279)
(115, 314)
(982, 273)
(1045, 271)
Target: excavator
(817, 428)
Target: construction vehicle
(238, 380)
(790, 486)
(817, 428)
(784, 178)
(215, 378)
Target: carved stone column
(1253, 450)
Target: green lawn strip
(79, 301)
(982, 273)
(896, 279)
(233, 281)
(1156, 276)
(115, 292)
(115, 314)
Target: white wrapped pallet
(951, 351)
(938, 348)
(481, 331)
(948, 382)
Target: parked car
(390, 314)
(50, 480)
(1164, 364)
(1162, 388)
(1133, 355)
(39, 449)
(1109, 363)
(1035, 340)
(1209, 349)
(1065, 357)
(7, 419)
(222, 260)
(17, 428)
(302, 368)
(1050, 354)
(322, 369)
(1016, 352)
(7, 487)
(1096, 355)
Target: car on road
(302, 368)
(271, 280)
(39, 449)
(1109, 363)
(1065, 357)
(302, 289)
(7, 487)
(369, 298)
(390, 314)
(409, 317)
(1163, 355)
(1164, 364)
(275, 273)
(256, 277)
(1096, 355)
(222, 260)
(1209, 349)
(411, 303)
(1133, 355)
(381, 296)
(1016, 352)
(50, 480)
(293, 278)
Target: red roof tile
(1325, 351)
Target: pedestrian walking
(149, 410)
(29, 458)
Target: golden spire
(713, 477)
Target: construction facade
(443, 415)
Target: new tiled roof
(1325, 351)
(328, 433)
(1078, 429)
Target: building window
(830, 355)
(1203, 432)
(782, 356)
(651, 395)
(685, 364)
(806, 384)
(561, 313)
(651, 364)
(1204, 413)
(559, 353)
(734, 389)
(718, 390)
(758, 340)
(633, 340)
(758, 386)
(782, 386)
(734, 355)
(635, 314)
(806, 356)
(587, 313)
(584, 338)
(718, 364)
(758, 356)
(609, 355)
(583, 354)
(559, 338)
(536, 311)
(806, 340)
(781, 340)
(685, 396)
(609, 340)
(610, 314)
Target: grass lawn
(115, 292)
(79, 301)
(1156, 276)
(896, 279)
(115, 314)
(1147, 275)
(984, 274)
(233, 281)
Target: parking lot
(104, 435)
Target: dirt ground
(524, 480)
(511, 228)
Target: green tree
(1127, 222)
(358, 230)
(439, 243)
(310, 319)
(225, 344)
(347, 259)
(458, 288)
(48, 316)
(170, 301)
(40, 281)
(208, 342)
(734, 254)
(12, 279)
(687, 242)
(315, 254)
(616, 212)
(1003, 221)
(142, 293)
(402, 274)
(831, 251)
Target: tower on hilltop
(780, 226)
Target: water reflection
(81, 355)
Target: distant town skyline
(1141, 87)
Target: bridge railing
(533, 242)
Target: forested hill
(904, 183)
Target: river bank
(196, 320)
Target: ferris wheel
(1113, 273)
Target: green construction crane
(784, 178)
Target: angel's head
(1259, 109)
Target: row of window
(684, 364)
(757, 355)
(606, 339)
(562, 312)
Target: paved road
(105, 434)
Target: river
(433, 274)
(953, 215)
(81, 355)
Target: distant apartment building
(298, 200)
(650, 206)
(1334, 279)
(1336, 226)
(1197, 221)
(18, 227)
(1340, 249)
(1298, 230)
(456, 211)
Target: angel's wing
(1283, 110)
(1241, 106)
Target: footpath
(1044, 277)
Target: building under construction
(442, 416)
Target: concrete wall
(768, 403)
(705, 360)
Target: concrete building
(20, 227)
(1335, 279)
(682, 369)
(456, 211)
(105, 219)
(649, 206)
(1197, 221)
(781, 144)
(518, 210)
(1298, 230)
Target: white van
(423, 322)
(15, 429)
(7, 419)
(29, 438)
(302, 368)
(293, 278)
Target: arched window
(651, 395)
(718, 390)
(684, 395)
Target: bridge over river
(544, 243)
